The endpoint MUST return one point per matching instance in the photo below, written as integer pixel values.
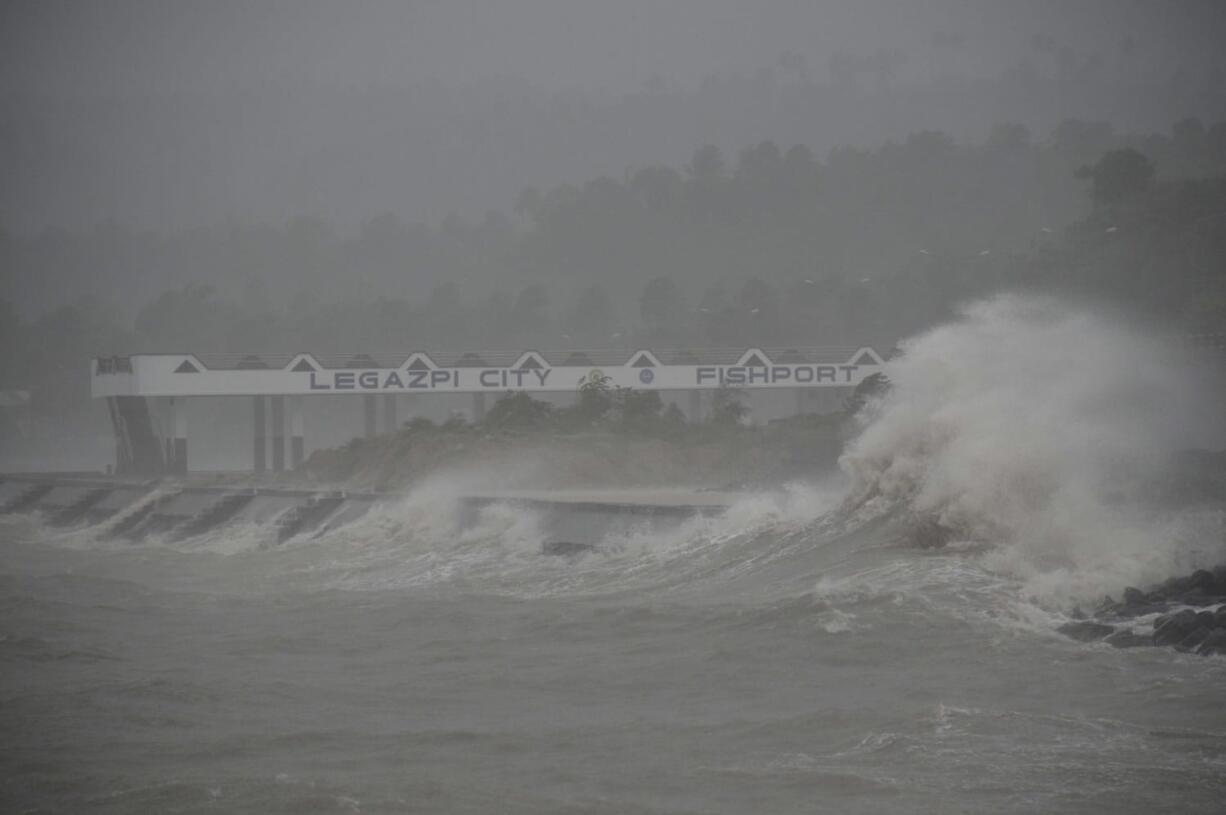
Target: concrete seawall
(178, 509)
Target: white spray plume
(1022, 423)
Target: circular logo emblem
(646, 375)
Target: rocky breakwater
(1186, 613)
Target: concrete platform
(641, 500)
(189, 507)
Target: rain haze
(173, 115)
(659, 407)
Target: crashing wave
(1041, 429)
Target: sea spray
(1034, 426)
(427, 539)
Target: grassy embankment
(609, 438)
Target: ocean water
(798, 654)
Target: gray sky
(124, 46)
(174, 114)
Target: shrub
(518, 411)
(638, 409)
(727, 409)
(595, 398)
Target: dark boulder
(928, 533)
(1201, 588)
(1198, 635)
(566, 548)
(1136, 604)
(1201, 579)
(1146, 606)
(1215, 643)
(1127, 639)
(1171, 629)
(1200, 628)
(1175, 586)
(1086, 630)
(1196, 596)
(1152, 608)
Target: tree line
(772, 247)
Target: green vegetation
(1118, 176)
(609, 436)
(599, 407)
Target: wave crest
(1038, 427)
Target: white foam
(1022, 423)
(420, 541)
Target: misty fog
(1002, 223)
(284, 176)
(181, 115)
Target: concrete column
(389, 413)
(297, 446)
(181, 436)
(478, 406)
(695, 406)
(167, 422)
(259, 445)
(368, 406)
(278, 433)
